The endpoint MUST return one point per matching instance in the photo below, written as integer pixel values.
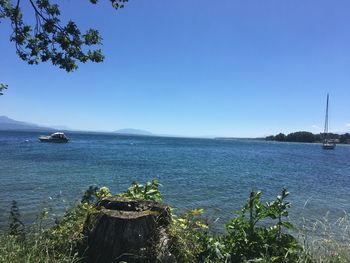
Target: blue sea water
(213, 174)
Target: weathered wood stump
(123, 230)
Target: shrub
(258, 233)
(188, 235)
(149, 191)
(247, 238)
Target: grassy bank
(260, 232)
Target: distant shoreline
(297, 137)
(308, 137)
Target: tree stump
(124, 230)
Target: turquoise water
(213, 174)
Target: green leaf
(2, 87)
(287, 225)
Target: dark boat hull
(53, 140)
(328, 146)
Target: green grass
(326, 240)
(44, 243)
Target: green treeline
(304, 136)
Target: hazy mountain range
(133, 132)
(7, 124)
(10, 124)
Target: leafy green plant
(188, 233)
(16, 227)
(103, 192)
(278, 210)
(44, 242)
(94, 194)
(149, 191)
(89, 196)
(259, 233)
(246, 240)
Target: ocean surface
(213, 174)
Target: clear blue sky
(194, 68)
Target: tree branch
(37, 12)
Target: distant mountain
(10, 124)
(134, 132)
(7, 124)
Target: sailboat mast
(326, 119)
(328, 144)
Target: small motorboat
(57, 137)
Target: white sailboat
(328, 144)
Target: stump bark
(124, 230)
